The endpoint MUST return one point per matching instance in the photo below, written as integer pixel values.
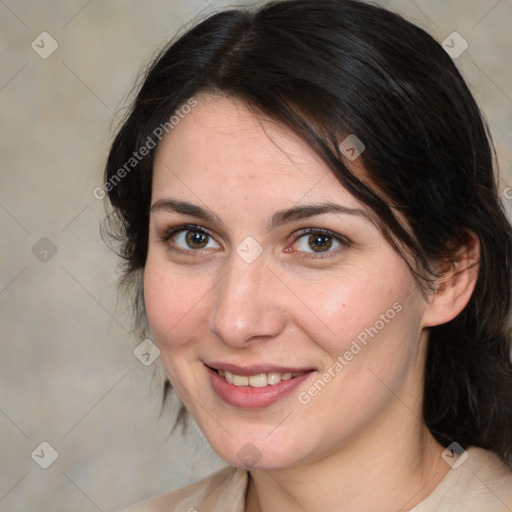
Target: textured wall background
(67, 368)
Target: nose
(247, 306)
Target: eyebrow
(278, 218)
(185, 208)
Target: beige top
(480, 484)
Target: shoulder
(482, 483)
(227, 486)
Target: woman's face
(259, 261)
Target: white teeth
(257, 381)
(240, 380)
(274, 378)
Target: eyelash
(344, 241)
(169, 233)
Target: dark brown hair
(329, 68)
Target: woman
(309, 212)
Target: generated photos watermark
(144, 150)
(355, 348)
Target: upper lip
(247, 370)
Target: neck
(379, 470)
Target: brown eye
(190, 240)
(315, 241)
(320, 242)
(196, 239)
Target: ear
(455, 287)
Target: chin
(257, 452)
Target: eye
(317, 241)
(189, 238)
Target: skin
(360, 443)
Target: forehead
(221, 141)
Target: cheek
(371, 313)
(173, 303)
(350, 303)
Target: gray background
(68, 373)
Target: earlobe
(456, 284)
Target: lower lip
(248, 397)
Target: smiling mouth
(258, 380)
(256, 386)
